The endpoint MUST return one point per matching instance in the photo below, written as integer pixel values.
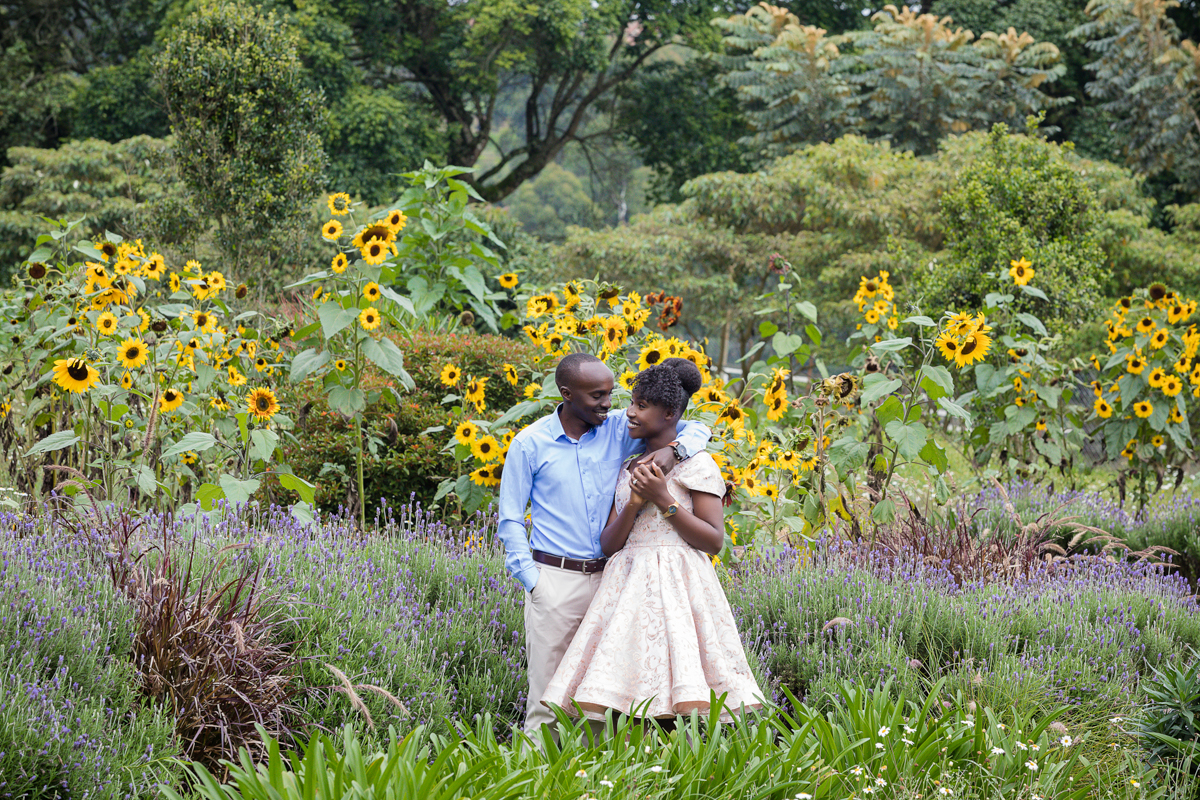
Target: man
(566, 466)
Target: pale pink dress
(659, 627)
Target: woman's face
(646, 419)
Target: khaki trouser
(553, 612)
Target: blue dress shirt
(570, 485)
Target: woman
(659, 637)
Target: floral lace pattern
(659, 635)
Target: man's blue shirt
(570, 485)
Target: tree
(684, 123)
(1149, 81)
(245, 124)
(559, 57)
(911, 79)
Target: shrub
(1021, 198)
(404, 460)
(1168, 727)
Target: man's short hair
(569, 368)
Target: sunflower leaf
(263, 443)
(55, 441)
(1034, 323)
(334, 318)
(307, 362)
(877, 386)
(306, 490)
(238, 491)
(197, 440)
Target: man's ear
(565, 393)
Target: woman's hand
(649, 482)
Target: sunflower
(949, 346)
(650, 356)
(236, 378)
(625, 381)
(510, 374)
(339, 263)
(540, 305)
(219, 403)
(531, 391)
(204, 321)
(1102, 408)
(75, 374)
(732, 415)
(1172, 386)
(1145, 325)
(1156, 377)
(466, 432)
(171, 399)
(1157, 292)
(1143, 408)
(371, 291)
(262, 404)
(340, 365)
(486, 448)
(1159, 339)
(486, 475)
(769, 491)
(475, 392)
(508, 280)
(369, 318)
(872, 316)
(374, 251)
(868, 287)
(375, 232)
(339, 204)
(750, 484)
(174, 283)
(1021, 271)
(395, 220)
(331, 230)
(973, 349)
(1176, 416)
(132, 354)
(106, 323)
(1134, 365)
(260, 364)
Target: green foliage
(374, 136)
(1021, 198)
(130, 188)
(547, 205)
(1147, 78)
(911, 80)
(246, 127)
(768, 757)
(683, 123)
(120, 101)
(404, 439)
(566, 57)
(1168, 727)
(35, 105)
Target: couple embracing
(623, 609)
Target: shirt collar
(557, 430)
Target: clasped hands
(647, 482)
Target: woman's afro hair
(668, 384)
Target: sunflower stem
(358, 443)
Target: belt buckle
(592, 565)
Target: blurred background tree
(245, 127)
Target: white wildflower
(945, 791)
(1035, 747)
(868, 790)
(907, 741)
(581, 774)
(1031, 765)
(885, 730)
(1065, 741)
(804, 796)
(997, 751)
(1134, 783)
(856, 771)
(879, 745)
(1021, 746)
(607, 783)
(656, 768)
(880, 782)
(909, 730)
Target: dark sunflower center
(78, 370)
(132, 353)
(170, 395)
(106, 323)
(653, 357)
(871, 287)
(485, 448)
(969, 346)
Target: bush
(1020, 198)
(404, 461)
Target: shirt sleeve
(693, 436)
(516, 483)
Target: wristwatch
(671, 510)
(679, 450)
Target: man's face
(589, 397)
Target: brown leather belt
(562, 562)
